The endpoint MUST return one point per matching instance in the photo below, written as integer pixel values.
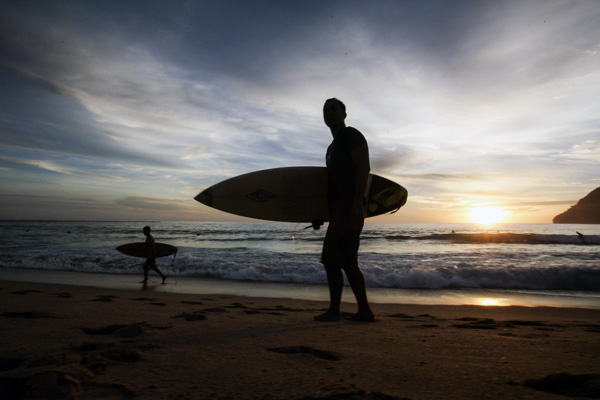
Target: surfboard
(138, 249)
(293, 194)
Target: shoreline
(314, 292)
(70, 341)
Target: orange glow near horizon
(487, 215)
(488, 302)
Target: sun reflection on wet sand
(488, 302)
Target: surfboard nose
(205, 197)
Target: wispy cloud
(60, 169)
(470, 97)
(588, 150)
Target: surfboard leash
(171, 267)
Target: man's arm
(150, 248)
(360, 157)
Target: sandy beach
(62, 342)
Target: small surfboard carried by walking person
(150, 250)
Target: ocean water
(543, 260)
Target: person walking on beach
(347, 174)
(150, 263)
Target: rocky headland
(586, 211)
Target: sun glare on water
(487, 215)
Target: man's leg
(146, 267)
(164, 278)
(155, 268)
(357, 283)
(335, 280)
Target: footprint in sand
(62, 295)
(536, 324)
(262, 311)
(215, 310)
(587, 385)
(118, 330)
(356, 395)
(7, 364)
(487, 323)
(322, 354)
(479, 323)
(150, 300)
(108, 390)
(52, 376)
(236, 305)
(27, 314)
(25, 292)
(107, 351)
(105, 299)
(199, 315)
(590, 327)
(195, 316)
(401, 315)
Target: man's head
(334, 114)
(333, 100)
(146, 230)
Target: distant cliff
(586, 211)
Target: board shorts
(340, 248)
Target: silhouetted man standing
(348, 175)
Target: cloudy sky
(126, 109)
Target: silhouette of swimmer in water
(348, 173)
(150, 263)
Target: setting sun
(487, 215)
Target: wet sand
(65, 341)
(303, 291)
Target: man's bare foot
(328, 317)
(363, 317)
